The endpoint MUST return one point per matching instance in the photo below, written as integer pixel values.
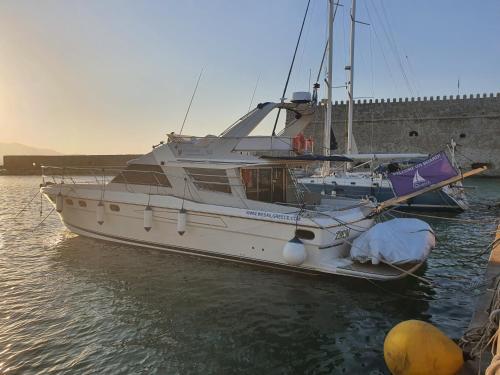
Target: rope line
(27, 204)
(291, 66)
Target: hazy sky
(106, 76)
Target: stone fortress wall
(419, 125)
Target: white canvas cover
(396, 241)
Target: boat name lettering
(418, 165)
(341, 234)
(271, 215)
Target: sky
(115, 76)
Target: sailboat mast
(351, 81)
(328, 114)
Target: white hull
(229, 233)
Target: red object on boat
(299, 143)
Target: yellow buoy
(414, 347)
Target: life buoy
(299, 143)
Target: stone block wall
(32, 164)
(419, 125)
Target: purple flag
(421, 175)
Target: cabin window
(114, 207)
(82, 203)
(210, 179)
(265, 184)
(304, 234)
(69, 201)
(413, 133)
(462, 135)
(143, 174)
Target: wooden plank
(495, 252)
(397, 200)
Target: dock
(484, 322)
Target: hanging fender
(59, 202)
(148, 218)
(181, 221)
(100, 213)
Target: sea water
(75, 305)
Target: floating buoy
(294, 252)
(414, 347)
(181, 221)
(100, 213)
(59, 202)
(148, 218)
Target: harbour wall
(422, 125)
(32, 164)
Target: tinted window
(143, 174)
(265, 184)
(210, 179)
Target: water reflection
(81, 305)
(236, 314)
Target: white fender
(59, 202)
(294, 252)
(181, 221)
(100, 213)
(148, 218)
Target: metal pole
(328, 114)
(351, 81)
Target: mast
(328, 114)
(351, 81)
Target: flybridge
(235, 142)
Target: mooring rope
(26, 206)
(45, 218)
(467, 221)
(476, 341)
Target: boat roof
(235, 147)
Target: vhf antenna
(191, 101)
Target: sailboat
(355, 183)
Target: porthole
(304, 234)
(353, 183)
(462, 135)
(69, 201)
(82, 203)
(413, 133)
(114, 207)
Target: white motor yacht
(215, 197)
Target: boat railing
(106, 175)
(101, 176)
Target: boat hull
(438, 200)
(251, 238)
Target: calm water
(75, 305)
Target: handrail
(155, 174)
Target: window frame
(150, 175)
(209, 179)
